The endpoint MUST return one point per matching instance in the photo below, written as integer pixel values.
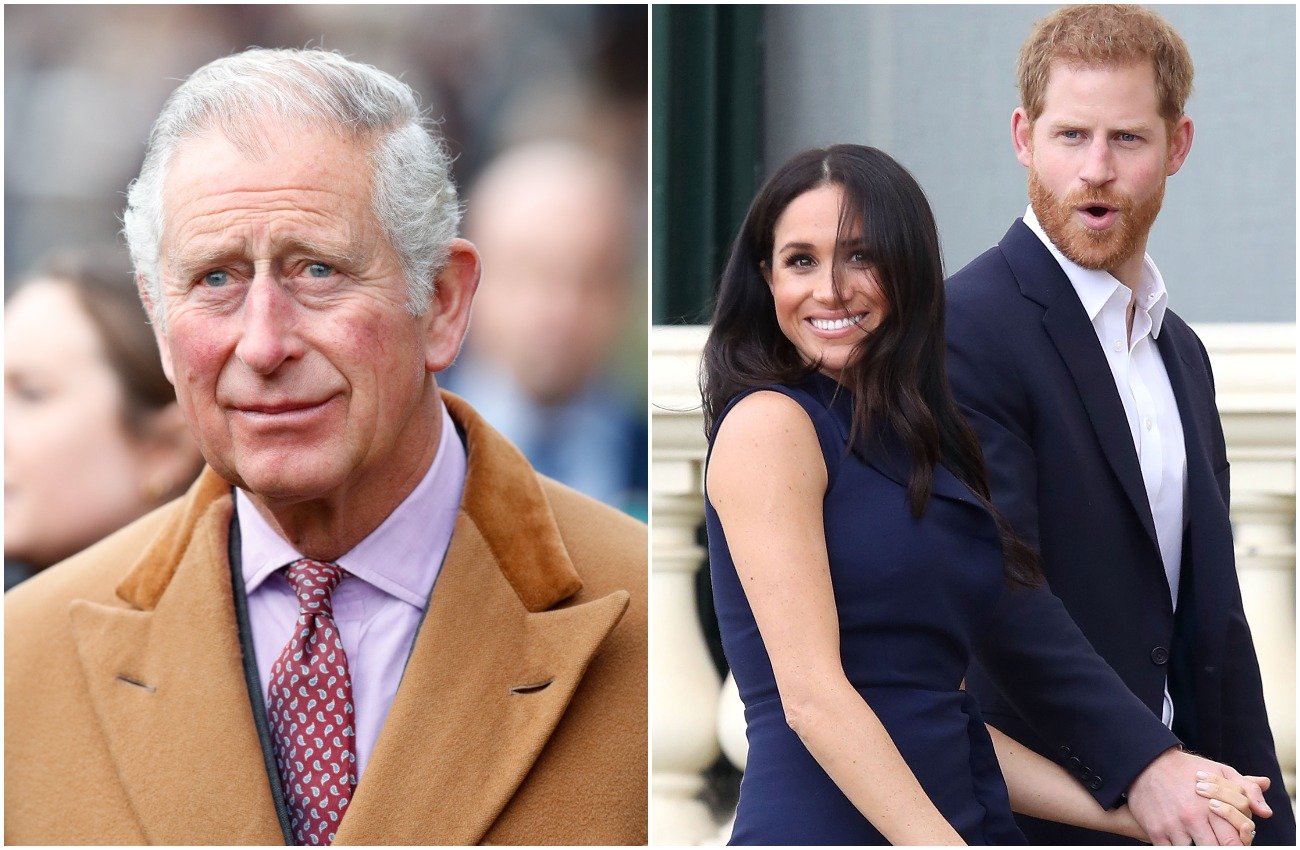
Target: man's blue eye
(320, 270)
(217, 278)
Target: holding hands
(1167, 800)
(1229, 801)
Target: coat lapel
(494, 666)
(165, 681)
(493, 669)
(1042, 280)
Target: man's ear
(159, 335)
(1180, 145)
(449, 313)
(1022, 132)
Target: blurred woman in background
(93, 437)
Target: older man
(556, 219)
(369, 621)
(1095, 407)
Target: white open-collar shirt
(1143, 386)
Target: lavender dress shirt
(378, 608)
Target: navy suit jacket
(1029, 373)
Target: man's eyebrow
(1139, 127)
(186, 262)
(342, 250)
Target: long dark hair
(897, 375)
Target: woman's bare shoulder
(766, 438)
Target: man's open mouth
(1099, 216)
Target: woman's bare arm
(766, 480)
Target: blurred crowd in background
(544, 110)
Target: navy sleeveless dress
(912, 596)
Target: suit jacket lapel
(1042, 280)
(494, 666)
(164, 678)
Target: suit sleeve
(1032, 651)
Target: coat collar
(165, 679)
(491, 673)
(1042, 280)
(494, 666)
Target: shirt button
(1148, 424)
(1118, 346)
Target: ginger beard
(1101, 250)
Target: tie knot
(313, 582)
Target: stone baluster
(1254, 370)
(1266, 559)
(684, 683)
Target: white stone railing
(693, 714)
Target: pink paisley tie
(309, 704)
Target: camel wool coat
(521, 717)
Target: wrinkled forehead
(276, 156)
(307, 178)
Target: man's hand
(1164, 801)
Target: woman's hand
(1227, 801)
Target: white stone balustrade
(683, 682)
(692, 713)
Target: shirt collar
(1096, 287)
(403, 556)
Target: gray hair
(414, 196)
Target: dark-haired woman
(855, 553)
(93, 435)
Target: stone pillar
(1266, 568)
(1255, 377)
(683, 681)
